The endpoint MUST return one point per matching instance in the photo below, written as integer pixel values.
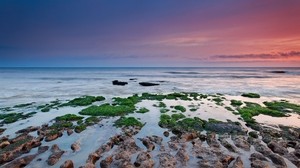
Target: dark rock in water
(257, 156)
(67, 164)
(133, 79)
(259, 164)
(241, 142)
(75, 146)
(166, 133)
(278, 71)
(212, 141)
(148, 84)
(276, 159)
(42, 149)
(277, 148)
(166, 160)
(116, 82)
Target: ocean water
(21, 85)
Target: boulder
(241, 142)
(148, 84)
(182, 156)
(105, 163)
(116, 82)
(238, 163)
(55, 156)
(144, 159)
(277, 148)
(67, 164)
(75, 146)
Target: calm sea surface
(21, 85)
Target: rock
(225, 127)
(294, 159)
(277, 148)
(92, 158)
(51, 137)
(238, 163)
(228, 146)
(105, 163)
(173, 145)
(182, 156)
(212, 141)
(297, 153)
(278, 71)
(241, 142)
(226, 160)
(89, 165)
(70, 132)
(166, 133)
(55, 156)
(124, 155)
(148, 84)
(276, 159)
(42, 149)
(75, 146)
(149, 145)
(166, 160)
(20, 162)
(253, 134)
(188, 136)
(133, 79)
(116, 82)
(262, 149)
(4, 144)
(202, 137)
(155, 139)
(259, 164)
(67, 164)
(257, 156)
(144, 160)
(28, 129)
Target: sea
(23, 85)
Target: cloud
(263, 56)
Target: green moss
(108, 110)
(23, 105)
(143, 110)
(69, 117)
(80, 128)
(83, 101)
(193, 109)
(15, 145)
(229, 108)
(253, 109)
(128, 121)
(236, 103)
(13, 117)
(148, 96)
(218, 100)
(177, 116)
(162, 105)
(163, 110)
(180, 108)
(251, 95)
(47, 107)
(60, 125)
(91, 120)
(283, 106)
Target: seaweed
(69, 117)
(13, 117)
(128, 121)
(83, 101)
(47, 107)
(108, 110)
(283, 106)
(164, 110)
(23, 105)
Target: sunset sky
(122, 33)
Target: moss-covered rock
(47, 107)
(251, 95)
(69, 117)
(13, 117)
(236, 103)
(83, 101)
(180, 108)
(108, 110)
(23, 105)
(283, 106)
(128, 121)
(143, 110)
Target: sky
(149, 33)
